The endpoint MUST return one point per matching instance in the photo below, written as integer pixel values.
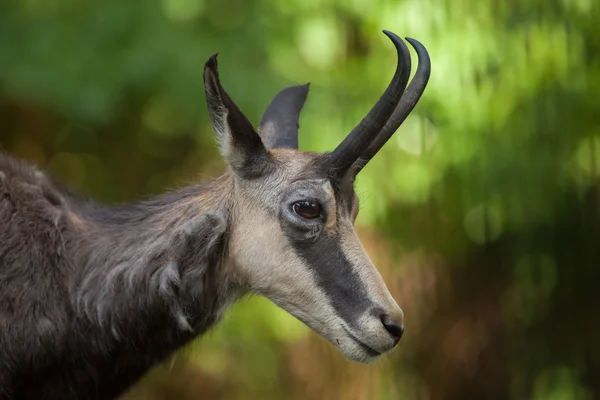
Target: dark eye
(307, 209)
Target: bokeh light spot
(483, 223)
(415, 136)
(320, 42)
(182, 10)
(588, 155)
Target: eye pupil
(307, 209)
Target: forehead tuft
(301, 164)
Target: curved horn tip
(401, 48)
(415, 43)
(393, 37)
(424, 59)
(422, 52)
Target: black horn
(279, 124)
(408, 101)
(347, 152)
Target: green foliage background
(482, 211)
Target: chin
(359, 353)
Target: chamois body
(91, 297)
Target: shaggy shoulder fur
(92, 297)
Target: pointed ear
(279, 124)
(240, 144)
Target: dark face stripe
(335, 276)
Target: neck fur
(156, 268)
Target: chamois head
(291, 228)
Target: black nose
(393, 327)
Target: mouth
(365, 347)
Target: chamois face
(291, 228)
(293, 241)
(292, 238)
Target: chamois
(92, 296)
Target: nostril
(393, 327)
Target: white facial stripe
(272, 268)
